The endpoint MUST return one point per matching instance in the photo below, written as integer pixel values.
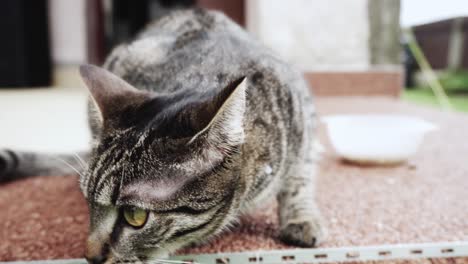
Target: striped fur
(197, 123)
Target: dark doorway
(122, 20)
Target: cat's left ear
(111, 94)
(225, 127)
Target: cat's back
(191, 49)
(204, 51)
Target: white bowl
(376, 139)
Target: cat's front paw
(303, 233)
(7, 163)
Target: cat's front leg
(301, 223)
(15, 165)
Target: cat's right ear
(111, 94)
(223, 117)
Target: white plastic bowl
(376, 139)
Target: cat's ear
(224, 125)
(109, 92)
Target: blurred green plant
(454, 81)
(443, 90)
(425, 96)
(427, 71)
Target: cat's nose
(99, 259)
(96, 251)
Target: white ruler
(341, 254)
(314, 255)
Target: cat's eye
(135, 217)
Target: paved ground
(422, 201)
(45, 119)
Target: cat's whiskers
(82, 163)
(69, 165)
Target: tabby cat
(194, 123)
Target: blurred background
(403, 49)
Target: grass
(425, 96)
(454, 81)
(455, 84)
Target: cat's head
(164, 171)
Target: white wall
(416, 12)
(314, 34)
(68, 31)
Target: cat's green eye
(135, 217)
